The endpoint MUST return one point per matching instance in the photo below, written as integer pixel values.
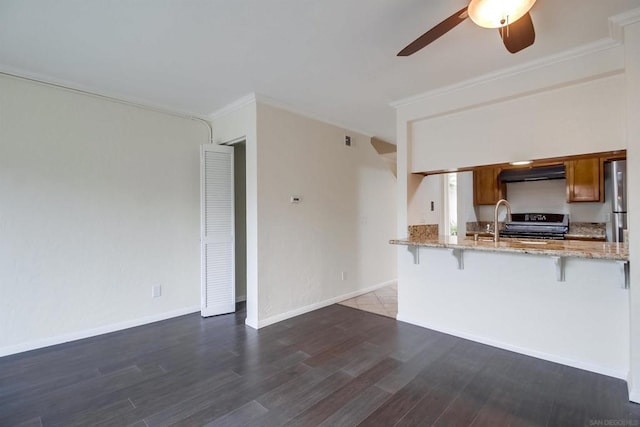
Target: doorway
(450, 214)
(240, 217)
(383, 301)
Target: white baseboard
(87, 333)
(252, 323)
(517, 349)
(634, 392)
(311, 307)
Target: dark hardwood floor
(337, 366)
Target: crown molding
(618, 22)
(272, 102)
(598, 46)
(89, 91)
(616, 38)
(233, 106)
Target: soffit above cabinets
(554, 161)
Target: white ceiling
(334, 59)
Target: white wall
(99, 201)
(429, 190)
(583, 117)
(632, 60)
(296, 253)
(343, 224)
(586, 101)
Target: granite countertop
(562, 248)
(587, 231)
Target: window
(451, 204)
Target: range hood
(532, 174)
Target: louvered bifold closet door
(217, 230)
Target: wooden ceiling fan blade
(518, 35)
(435, 33)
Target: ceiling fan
(511, 17)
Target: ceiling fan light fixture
(498, 13)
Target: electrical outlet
(156, 291)
(607, 217)
(347, 140)
(344, 275)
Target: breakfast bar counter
(551, 299)
(557, 248)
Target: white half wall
(514, 301)
(99, 201)
(343, 224)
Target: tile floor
(383, 301)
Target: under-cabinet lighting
(521, 163)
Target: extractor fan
(510, 17)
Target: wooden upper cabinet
(487, 190)
(585, 180)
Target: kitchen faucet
(496, 233)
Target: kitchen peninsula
(560, 248)
(564, 301)
(557, 250)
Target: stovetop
(539, 219)
(537, 226)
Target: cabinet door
(486, 188)
(585, 180)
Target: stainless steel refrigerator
(618, 188)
